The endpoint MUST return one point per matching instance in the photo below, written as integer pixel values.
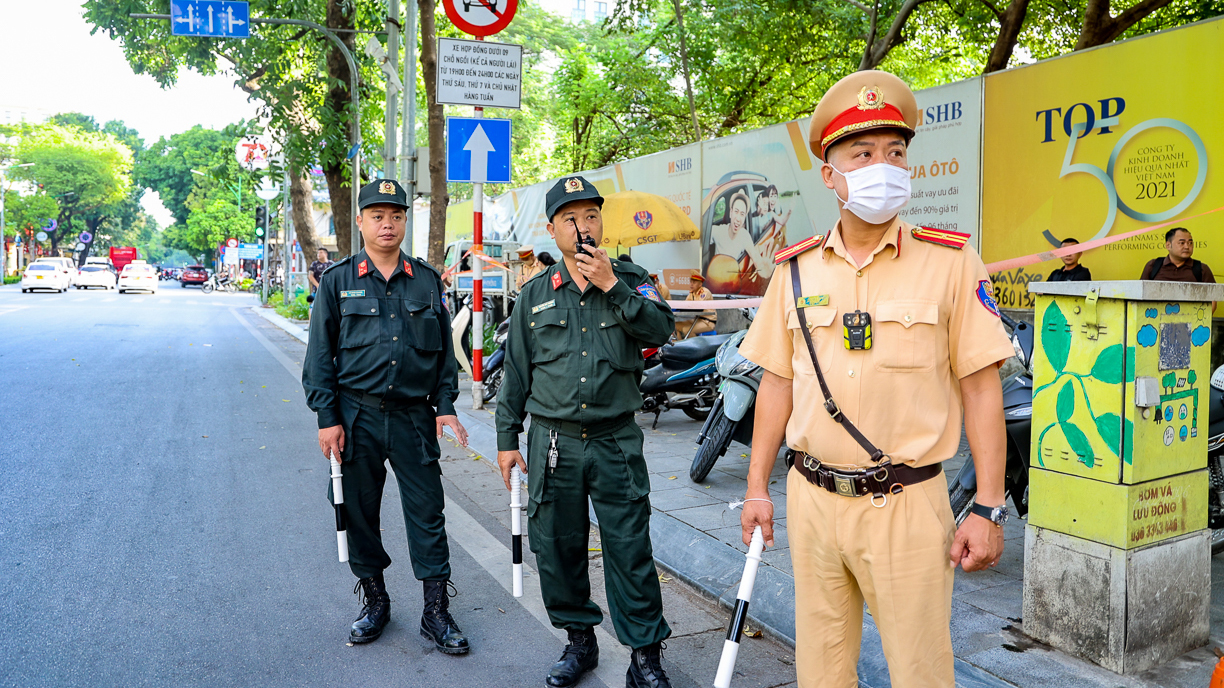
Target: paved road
(166, 521)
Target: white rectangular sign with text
(480, 73)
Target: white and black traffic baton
(338, 503)
(726, 665)
(516, 528)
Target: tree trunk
(438, 198)
(336, 168)
(1100, 28)
(877, 50)
(1010, 23)
(301, 196)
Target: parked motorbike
(685, 378)
(1215, 461)
(493, 368)
(731, 417)
(223, 283)
(1018, 417)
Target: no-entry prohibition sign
(480, 17)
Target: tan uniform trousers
(846, 552)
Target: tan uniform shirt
(933, 322)
(702, 294)
(530, 270)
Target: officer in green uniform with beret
(381, 374)
(573, 361)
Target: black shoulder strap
(1157, 264)
(830, 405)
(1196, 267)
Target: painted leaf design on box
(1109, 426)
(1065, 407)
(1055, 339)
(1108, 367)
(1079, 444)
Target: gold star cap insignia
(386, 188)
(573, 185)
(871, 98)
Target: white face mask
(877, 192)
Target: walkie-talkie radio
(583, 242)
(856, 331)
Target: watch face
(999, 515)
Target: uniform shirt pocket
(422, 326)
(550, 332)
(620, 350)
(819, 319)
(904, 338)
(359, 323)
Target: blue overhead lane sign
(210, 18)
(478, 150)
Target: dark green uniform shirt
(389, 338)
(577, 356)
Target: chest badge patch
(408, 268)
(985, 295)
(544, 306)
(809, 301)
(362, 268)
(556, 281)
(649, 292)
(352, 294)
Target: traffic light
(261, 221)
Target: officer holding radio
(573, 361)
(875, 339)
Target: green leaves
(1109, 426)
(1055, 337)
(1109, 367)
(1064, 410)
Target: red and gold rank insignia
(362, 268)
(387, 188)
(573, 185)
(556, 281)
(871, 98)
(942, 237)
(408, 268)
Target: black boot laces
(441, 606)
(654, 660)
(368, 601)
(578, 643)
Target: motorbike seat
(692, 351)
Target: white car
(138, 277)
(40, 275)
(95, 276)
(65, 265)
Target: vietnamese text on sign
(480, 73)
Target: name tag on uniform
(543, 307)
(809, 301)
(352, 294)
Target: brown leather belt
(883, 479)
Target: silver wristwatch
(997, 515)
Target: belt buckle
(832, 409)
(844, 485)
(811, 463)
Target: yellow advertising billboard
(1103, 142)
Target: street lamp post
(3, 247)
(266, 192)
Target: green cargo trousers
(407, 438)
(611, 471)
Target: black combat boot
(375, 610)
(580, 656)
(646, 668)
(436, 622)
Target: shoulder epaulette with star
(795, 249)
(943, 237)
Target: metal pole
(478, 286)
(3, 242)
(389, 148)
(408, 133)
(263, 297)
(286, 245)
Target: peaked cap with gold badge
(568, 190)
(379, 191)
(859, 102)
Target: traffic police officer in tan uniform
(907, 338)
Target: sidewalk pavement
(696, 536)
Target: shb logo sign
(681, 165)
